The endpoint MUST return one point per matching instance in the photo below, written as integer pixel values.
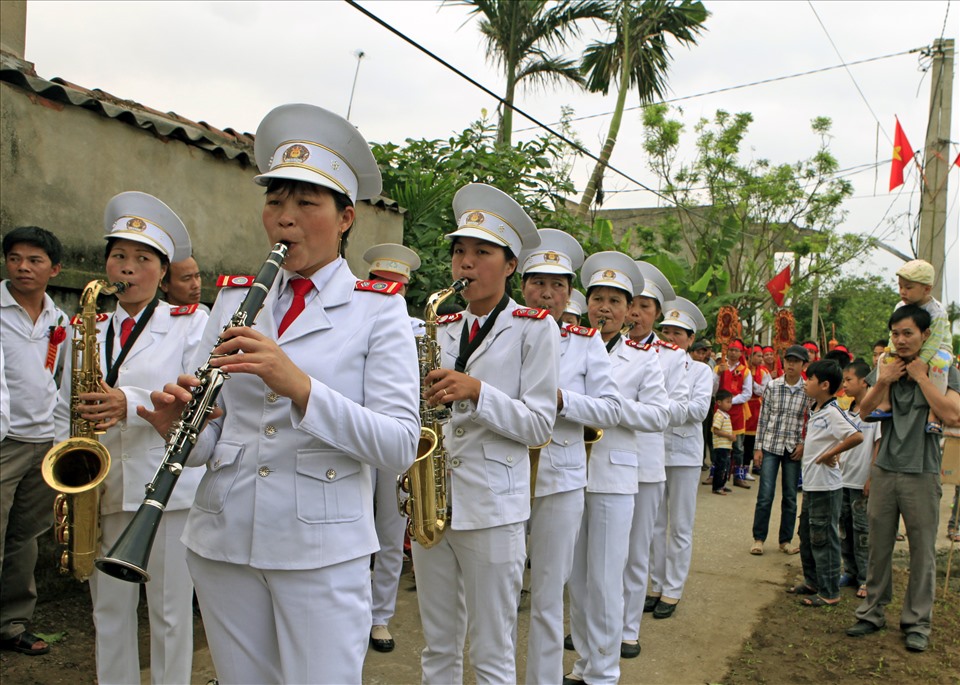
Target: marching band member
(393, 263)
(600, 556)
(645, 309)
(281, 532)
(499, 373)
(587, 397)
(143, 342)
(671, 551)
(575, 308)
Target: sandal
(757, 548)
(862, 591)
(26, 643)
(787, 549)
(801, 589)
(877, 415)
(817, 601)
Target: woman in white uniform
(144, 342)
(673, 545)
(600, 555)
(587, 397)
(645, 309)
(499, 374)
(282, 529)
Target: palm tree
(519, 35)
(640, 29)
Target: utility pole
(936, 165)
(359, 54)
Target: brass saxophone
(422, 489)
(76, 467)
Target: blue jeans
(854, 529)
(820, 541)
(768, 488)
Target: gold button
(458, 432)
(263, 471)
(272, 397)
(270, 430)
(331, 474)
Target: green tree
(636, 54)
(520, 36)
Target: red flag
(779, 286)
(957, 160)
(902, 153)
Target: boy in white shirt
(830, 432)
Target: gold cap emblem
(136, 224)
(551, 257)
(296, 153)
(475, 218)
(674, 314)
(609, 273)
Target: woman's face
(307, 218)
(642, 313)
(486, 266)
(547, 291)
(609, 305)
(680, 337)
(141, 268)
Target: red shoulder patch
(668, 345)
(101, 317)
(585, 331)
(183, 309)
(235, 281)
(531, 313)
(449, 318)
(634, 343)
(382, 287)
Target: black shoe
(917, 642)
(664, 610)
(568, 643)
(861, 628)
(628, 651)
(649, 604)
(384, 641)
(571, 681)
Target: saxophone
(76, 467)
(422, 489)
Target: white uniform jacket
(488, 463)
(684, 443)
(673, 363)
(616, 458)
(165, 349)
(590, 398)
(285, 489)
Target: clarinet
(128, 558)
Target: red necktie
(301, 286)
(474, 329)
(125, 328)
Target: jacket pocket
(222, 470)
(499, 461)
(623, 457)
(565, 457)
(328, 487)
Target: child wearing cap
(915, 280)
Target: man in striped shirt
(780, 443)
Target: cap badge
(609, 273)
(475, 218)
(136, 224)
(335, 165)
(674, 314)
(551, 257)
(501, 228)
(298, 154)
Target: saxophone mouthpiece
(121, 286)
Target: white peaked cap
(577, 304)
(396, 262)
(310, 144)
(612, 269)
(486, 213)
(683, 313)
(558, 253)
(656, 284)
(143, 218)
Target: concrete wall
(60, 164)
(13, 26)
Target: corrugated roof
(225, 144)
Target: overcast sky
(229, 63)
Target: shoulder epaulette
(101, 316)
(183, 309)
(668, 345)
(531, 313)
(585, 331)
(634, 343)
(449, 318)
(382, 287)
(226, 281)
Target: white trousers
(169, 603)
(554, 527)
(596, 586)
(470, 583)
(638, 564)
(276, 626)
(388, 562)
(673, 532)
